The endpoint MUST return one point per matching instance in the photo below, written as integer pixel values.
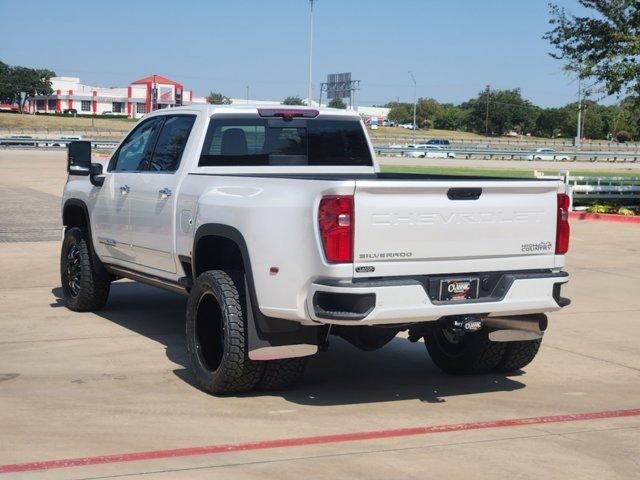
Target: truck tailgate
(418, 227)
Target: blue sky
(454, 47)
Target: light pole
(310, 93)
(486, 119)
(579, 126)
(415, 87)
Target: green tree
(426, 111)
(629, 119)
(216, 98)
(400, 112)
(595, 122)
(293, 101)
(603, 45)
(337, 103)
(612, 120)
(7, 89)
(449, 117)
(31, 81)
(507, 111)
(592, 125)
(551, 122)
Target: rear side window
(171, 142)
(254, 141)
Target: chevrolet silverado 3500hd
(279, 226)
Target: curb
(604, 217)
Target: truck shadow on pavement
(342, 376)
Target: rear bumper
(408, 300)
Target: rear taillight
(335, 218)
(562, 227)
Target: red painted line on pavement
(604, 217)
(316, 440)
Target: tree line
(498, 112)
(217, 98)
(17, 80)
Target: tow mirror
(79, 157)
(95, 174)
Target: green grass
(500, 172)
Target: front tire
(462, 354)
(85, 283)
(217, 336)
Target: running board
(147, 279)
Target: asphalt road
(115, 382)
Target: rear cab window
(251, 140)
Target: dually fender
(268, 338)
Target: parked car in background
(545, 154)
(423, 150)
(438, 141)
(389, 123)
(69, 111)
(408, 126)
(64, 141)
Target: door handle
(124, 189)
(165, 192)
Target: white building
(141, 96)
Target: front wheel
(217, 336)
(462, 353)
(85, 284)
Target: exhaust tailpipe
(517, 328)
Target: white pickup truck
(281, 229)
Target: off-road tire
(281, 374)
(217, 335)
(474, 352)
(85, 283)
(518, 355)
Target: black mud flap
(274, 338)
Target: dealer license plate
(459, 289)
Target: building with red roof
(144, 95)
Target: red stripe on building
(58, 101)
(129, 103)
(315, 440)
(94, 104)
(70, 100)
(148, 97)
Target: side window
(170, 145)
(132, 153)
